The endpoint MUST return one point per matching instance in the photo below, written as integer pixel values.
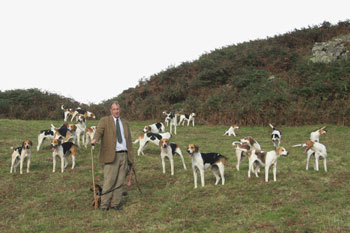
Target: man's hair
(116, 103)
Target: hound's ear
(160, 142)
(23, 144)
(30, 143)
(196, 148)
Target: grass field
(300, 200)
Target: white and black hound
(231, 130)
(266, 159)
(188, 118)
(63, 150)
(318, 149)
(276, 136)
(172, 119)
(43, 135)
(202, 161)
(154, 128)
(19, 154)
(145, 138)
(86, 114)
(168, 149)
(89, 134)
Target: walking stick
(93, 176)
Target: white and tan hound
(168, 149)
(19, 154)
(154, 128)
(89, 134)
(188, 118)
(315, 135)
(145, 138)
(231, 130)
(80, 130)
(266, 159)
(318, 149)
(63, 150)
(85, 113)
(240, 154)
(66, 132)
(203, 161)
(67, 112)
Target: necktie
(119, 136)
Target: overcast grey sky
(93, 50)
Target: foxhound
(266, 159)
(86, 114)
(43, 135)
(19, 154)
(145, 138)
(318, 149)
(154, 128)
(240, 154)
(80, 130)
(250, 141)
(315, 135)
(188, 118)
(89, 134)
(65, 132)
(231, 130)
(168, 149)
(165, 113)
(63, 150)
(67, 112)
(276, 136)
(172, 119)
(245, 143)
(203, 161)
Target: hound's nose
(164, 145)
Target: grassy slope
(299, 201)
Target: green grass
(300, 200)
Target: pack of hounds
(64, 138)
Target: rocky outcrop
(335, 49)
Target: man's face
(115, 110)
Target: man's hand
(93, 142)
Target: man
(116, 153)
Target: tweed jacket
(106, 131)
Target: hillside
(253, 83)
(287, 79)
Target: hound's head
(235, 126)
(282, 151)
(248, 141)
(309, 145)
(91, 115)
(54, 144)
(147, 129)
(27, 144)
(191, 149)
(193, 114)
(322, 130)
(72, 127)
(165, 113)
(243, 147)
(164, 143)
(81, 118)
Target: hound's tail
(136, 141)
(299, 145)
(271, 126)
(62, 107)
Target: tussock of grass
(300, 200)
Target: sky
(92, 51)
